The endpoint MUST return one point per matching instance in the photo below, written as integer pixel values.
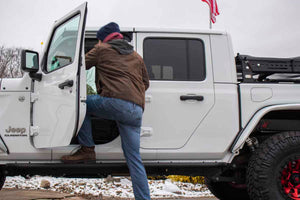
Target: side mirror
(30, 61)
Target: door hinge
(34, 130)
(34, 97)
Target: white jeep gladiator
(234, 120)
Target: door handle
(67, 83)
(191, 97)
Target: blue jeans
(129, 119)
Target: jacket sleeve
(145, 76)
(91, 58)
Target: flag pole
(210, 23)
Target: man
(121, 80)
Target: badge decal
(15, 132)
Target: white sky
(257, 27)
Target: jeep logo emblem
(15, 130)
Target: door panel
(56, 107)
(181, 91)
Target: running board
(105, 169)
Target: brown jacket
(120, 73)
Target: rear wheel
(290, 179)
(274, 168)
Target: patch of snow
(170, 187)
(119, 187)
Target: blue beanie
(109, 28)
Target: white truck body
(203, 105)
(172, 131)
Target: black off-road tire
(267, 164)
(2, 179)
(226, 191)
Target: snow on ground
(114, 187)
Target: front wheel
(274, 168)
(2, 179)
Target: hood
(122, 46)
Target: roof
(93, 30)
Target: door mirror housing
(30, 61)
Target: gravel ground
(16, 194)
(95, 189)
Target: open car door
(58, 100)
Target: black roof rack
(257, 69)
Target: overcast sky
(257, 27)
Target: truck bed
(260, 69)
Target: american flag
(214, 11)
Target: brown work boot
(82, 155)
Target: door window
(63, 44)
(175, 59)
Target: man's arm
(145, 76)
(91, 58)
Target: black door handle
(191, 97)
(67, 83)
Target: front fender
(245, 132)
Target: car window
(63, 44)
(177, 59)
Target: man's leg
(86, 153)
(85, 137)
(129, 119)
(130, 136)
(96, 107)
